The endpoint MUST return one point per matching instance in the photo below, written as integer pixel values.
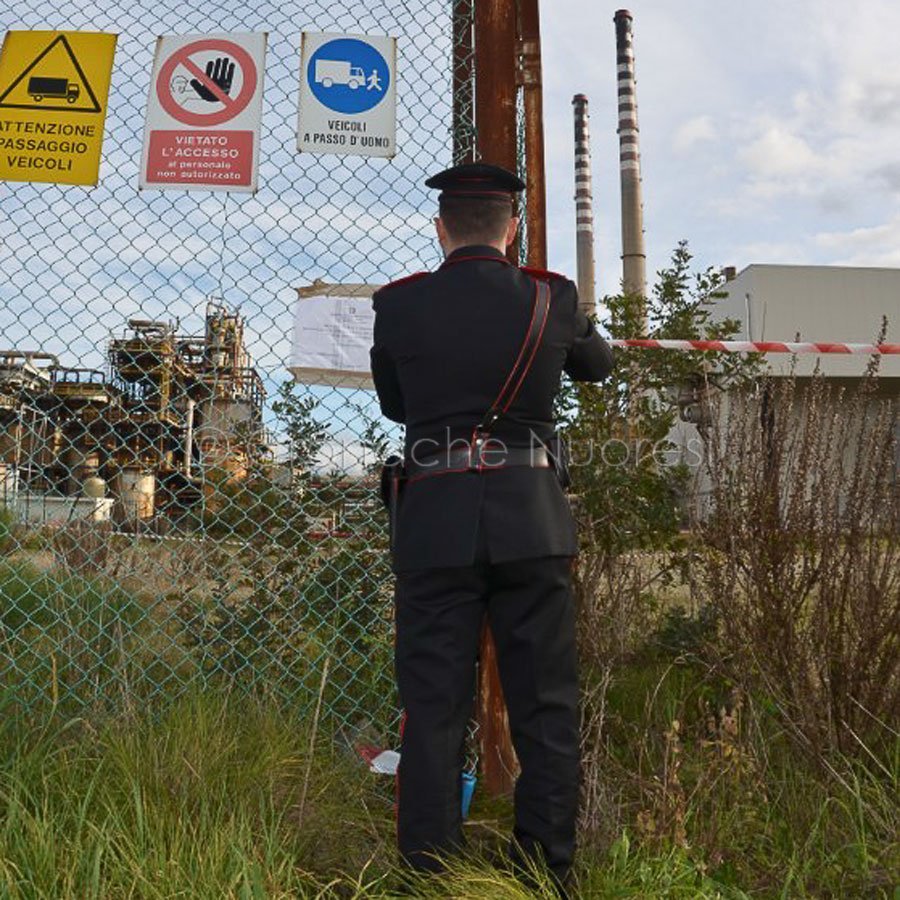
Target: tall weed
(800, 555)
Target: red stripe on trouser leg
(397, 776)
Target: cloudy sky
(770, 132)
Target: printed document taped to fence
(332, 337)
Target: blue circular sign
(348, 76)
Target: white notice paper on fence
(332, 335)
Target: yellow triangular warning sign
(53, 80)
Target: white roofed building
(820, 304)
(816, 303)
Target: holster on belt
(391, 481)
(558, 449)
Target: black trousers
(439, 614)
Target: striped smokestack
(584, 205)
(634, 255)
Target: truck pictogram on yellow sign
(54, 87)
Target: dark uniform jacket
(444, 344)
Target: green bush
(275, 633)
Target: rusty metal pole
(495, 125)
(496, 84)
(532, 90)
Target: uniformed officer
(482, 533)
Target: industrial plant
(133, 442)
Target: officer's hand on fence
(220, 73)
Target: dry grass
(800, 556)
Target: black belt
(481, 458)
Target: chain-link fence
(174, 509)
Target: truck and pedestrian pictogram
(338, 71)
(56, 88)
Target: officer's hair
(471, 220)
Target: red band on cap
(454, 193)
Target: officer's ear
(511, 230)
(442, 236)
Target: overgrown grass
(692, 787)
(65, 638)
(201, 801)
(205, 799)
(699, 771)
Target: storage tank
(80, 464)
(136, 494)
(221, 422)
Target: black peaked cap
(476, 180)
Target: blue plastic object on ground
(468, 788)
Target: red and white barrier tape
(759, 346)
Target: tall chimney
(634, 255)
(584, 205)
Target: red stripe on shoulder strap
(542, 274)
(414, 277)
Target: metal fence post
(495, 121)
(532, 89)
(463, 82)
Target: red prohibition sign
(233, 105)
